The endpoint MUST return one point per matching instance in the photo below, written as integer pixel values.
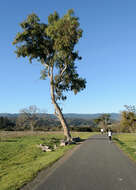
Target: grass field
(127, 142)
(21, 159)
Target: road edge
(47, 171)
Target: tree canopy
(128, 119)
(53, 45)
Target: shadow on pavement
(97, 138)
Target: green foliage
(128, 119)
(82, 129)
(102, 121)
(53, 45)
(97, 121)
(6, 124)
(105, 118)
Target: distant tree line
(45, 123)
(7, 124)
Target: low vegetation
(127, 142)
(21, 159)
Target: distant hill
(114, 116)
(9, 115)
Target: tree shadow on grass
(97, 138)
(120, 142)
(8, 140)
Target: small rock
(48, 150)
(55, 147)
(44, 148)
(62, 144)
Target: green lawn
(127, 142)
(21, 159)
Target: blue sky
(108, 49)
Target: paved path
(96, 165)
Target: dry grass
(12, 134)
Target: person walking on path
(102, 131)
(110, 135)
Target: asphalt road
(96, 165)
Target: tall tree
(28, 117)
(103, 120)
(53, 46)
(128, 119)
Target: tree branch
(49, 71)
(63, 70)
(48, 67)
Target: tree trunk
(58, 111)
(62, 121)
(133, 127)
(31, 126)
